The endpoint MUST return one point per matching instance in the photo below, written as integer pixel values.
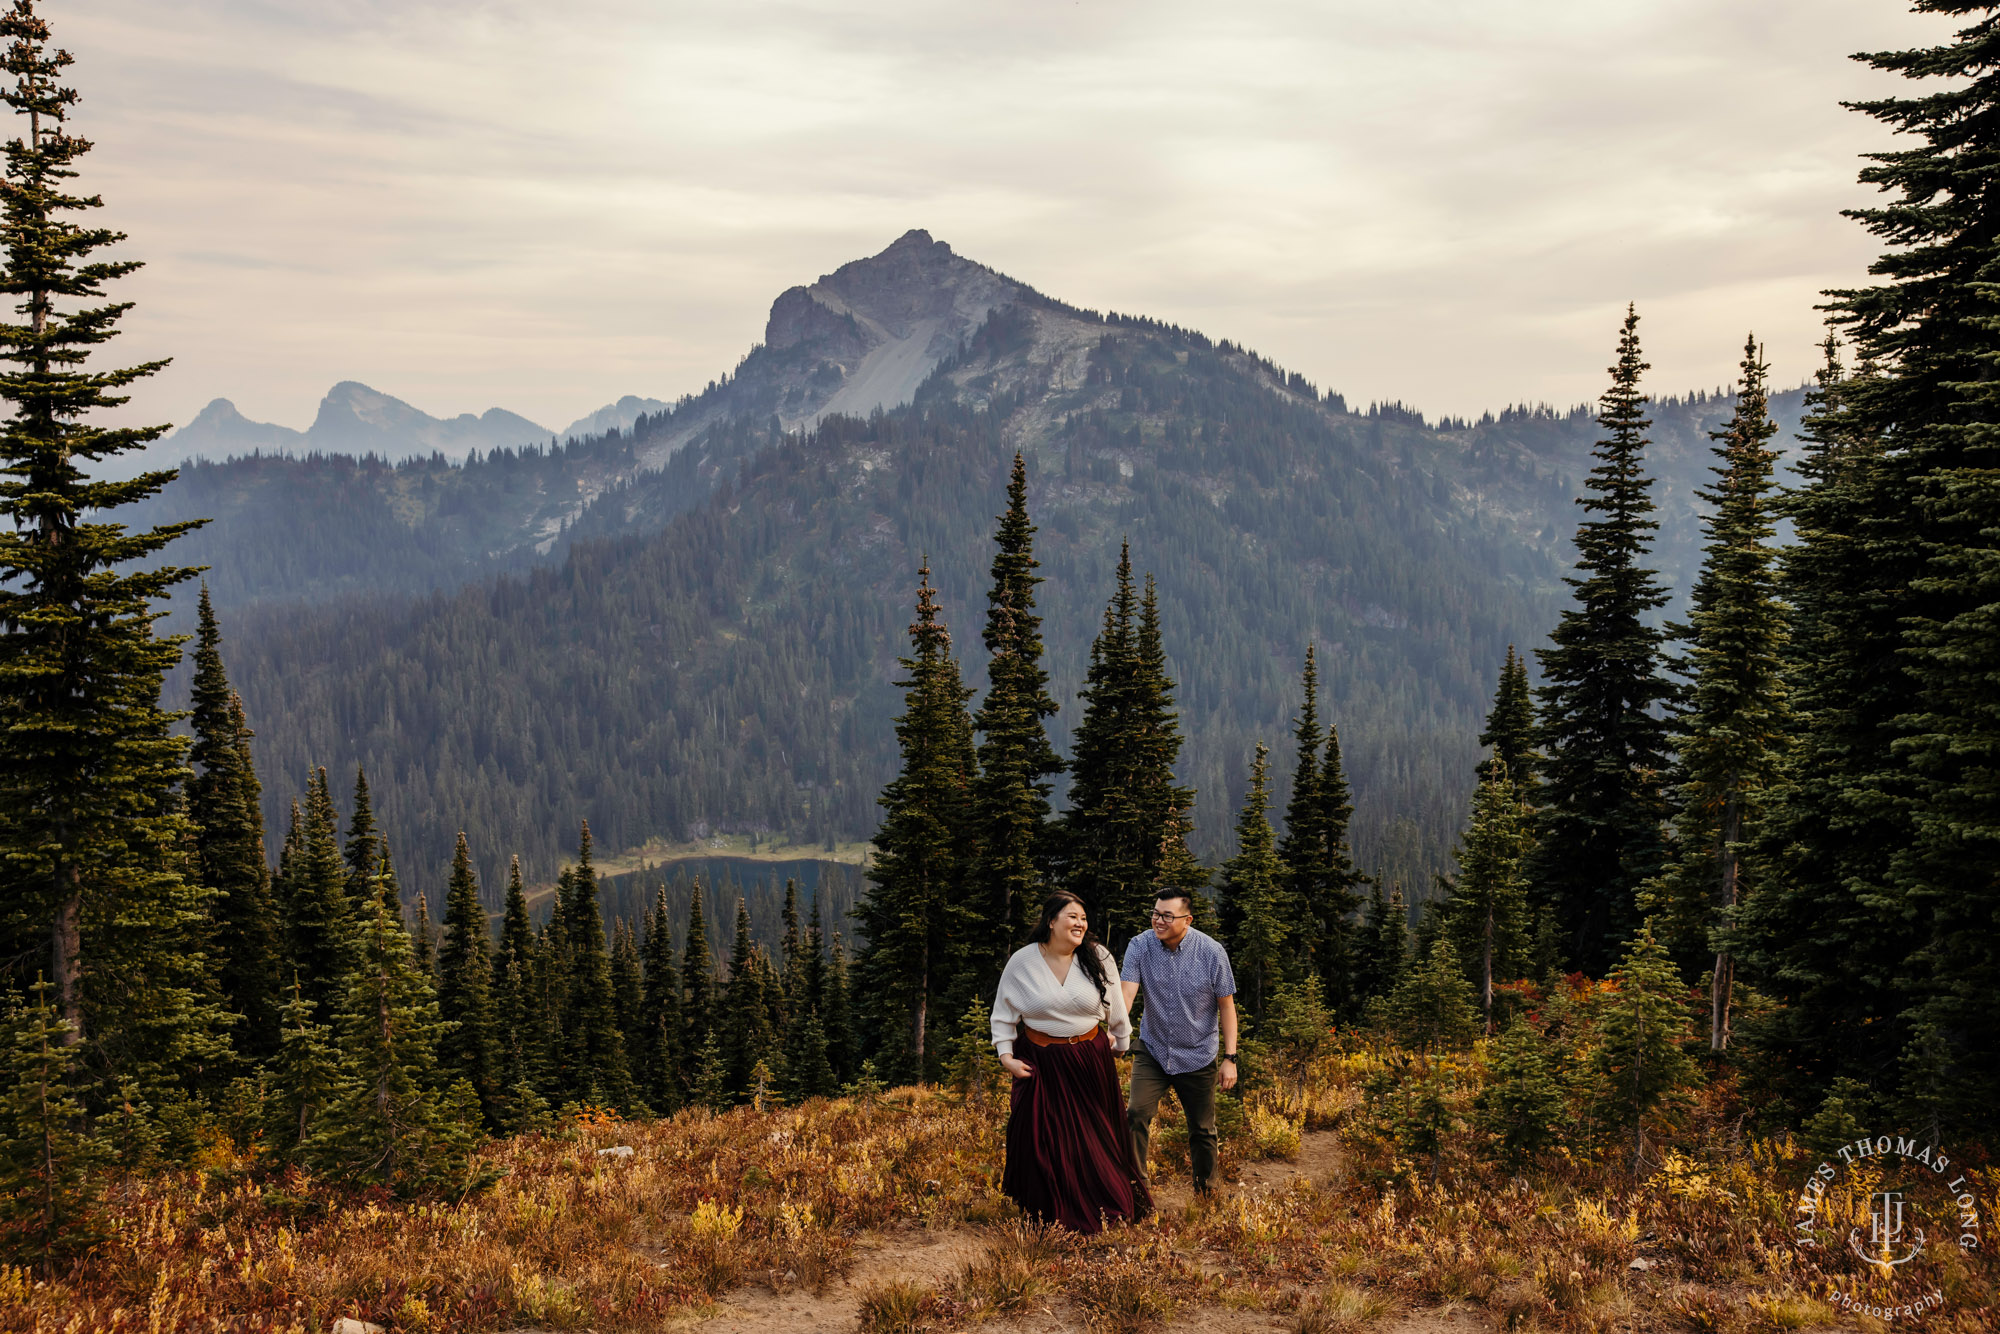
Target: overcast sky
(476, 203)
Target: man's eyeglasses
(1170, 916)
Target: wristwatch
(1229, 1056)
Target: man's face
(1170, 920)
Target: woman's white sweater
(1070, 1008)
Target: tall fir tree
(318, 918)
(1323, 887)
(660, 1055)
(386, 1122)
(697, 987)
(1124, 835)
(919, 924)
(1510, 727)
(1302, 850)
(515, 1013)
(92, 828)
(1904, 718)
(1487, 917)
(1734, 731)
(1248, 889)
(837, 1015)
(423, 938)
(749, 1036)
(1818, 938)
(628, 998)
(470, 1049)
(223, 802)
(363, 850)
(593, 1066)
(1604, 729)
(1010, 794)
(792, 955)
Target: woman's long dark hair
(1087, 955)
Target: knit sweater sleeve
(1008, 1001)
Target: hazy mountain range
(690, 622)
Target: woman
(1069, 1159)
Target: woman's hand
(1017, 1067)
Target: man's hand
(1228, 1080)
(1017, 1067)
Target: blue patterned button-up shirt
(1183, 988)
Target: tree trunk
(65, 958)
(1486, 984)
(1724, 976)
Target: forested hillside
(728, 667)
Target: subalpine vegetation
(1725, 900)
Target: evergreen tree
(836, 1017)
(974, 1068)
(792, 952)
(808, 1073)
(1010, 793)
(1329, 899)
(1603, 732)
(628, 995)
(1734, 730)
(1522, 1105)
(749, 1036)
(318, 919)
(1124, 836)
(1386, 937)
(423, 938)
(593, 1065)
(711, 1073)
(661, 1021)
(91, 827)
(1249, 891)
(362, 853)
(223, 802)
(698, 987)
(1487, 916)
(470, 1049)
(916, 916)
(1894, 879)
(1302, 852)
(1640, 1064)
(515, 1012)
(303, 1073)
(1820, 938)
(49, 1208)
(1510, 727)
(1432, 1008)
(385, 1123)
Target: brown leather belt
(1044, 1040)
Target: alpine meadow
(458, 876)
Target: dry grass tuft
(1339, 1309)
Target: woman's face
(1066, 931)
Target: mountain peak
(884, 322)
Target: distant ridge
(353, 419)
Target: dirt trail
(932, 1257)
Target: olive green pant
(1196, 1091)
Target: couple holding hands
(1076, 1152)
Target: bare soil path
(932, 1257)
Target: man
(1190, 996)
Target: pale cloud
(543, 207)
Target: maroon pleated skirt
(1069, 1158)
